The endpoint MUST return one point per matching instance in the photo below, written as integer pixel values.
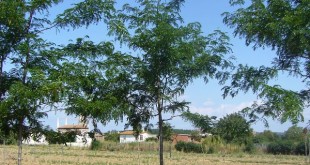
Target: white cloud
(219, 110)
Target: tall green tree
(282, 25)
(28, 85)
(167, 56)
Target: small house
(128, 136)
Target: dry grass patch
(58, 155)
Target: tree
(282, 25)
(12, 23)
(266, 137)
(112, 136)
(234, 128)
(294, 134)
(168, 56)
(29, 86)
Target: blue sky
(205, 98)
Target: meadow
(61, 155)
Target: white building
(82, 138)
(128, 136)
(81, 141)
(39, 141)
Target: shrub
(211, 150)
(280, 147)
(151, 139)
(112, 136)
(189, 147)
(300, 148)
(95, 145)
(249, 147)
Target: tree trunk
(161, 142)
(1, 70)
(20, 142)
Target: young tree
(28, 86)
(168, 55)
(282, 25)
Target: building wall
(131, 138)
(181, 137)
(127, 138)
(40, 141)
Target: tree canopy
(233, 128)
(282, 25)
(29, 86)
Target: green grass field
(58, 155)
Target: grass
(58, 155)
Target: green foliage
(8, 139)
(211, 150)
(294, 133)
(167, 131)
(203, 122)
(91, 90)
(213, 140)
(196, 136)
(112, 136)
(86, 13)
(29, 86)
(189, 147)
(213, 143)
(281, 147)
(283, 26)
(234, 128)
(151, 139)
(302, 148)
(95, 145)
(54, 137)
(250, 147)
(170, 55)
(176, 131)
(266, 137)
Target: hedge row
(287, 148)
(189, 147)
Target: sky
(205, 98)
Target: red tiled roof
(72, 126)
(129, 132)
(126, 133)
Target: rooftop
(73, 126)
(128, 132)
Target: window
(141, 137)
